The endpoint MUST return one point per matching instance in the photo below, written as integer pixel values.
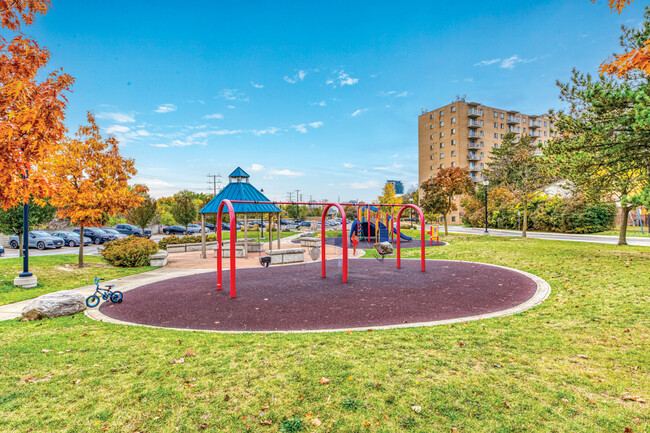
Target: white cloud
(393, 93)
(395, 155)
(348, 165)
(256, 167)
(510, 62)
(469, 80)
(341, 79)
(257, 86)
(359, 111)
(272, 130)
(321, 103)
(231, 107)
(118, 129)
(300, 76)
(392, 167)
(117, 117)
(166, 108)
(316, 124)
(300, 128)
(364, 185)
(180, 143)
(214, 116)
(159, 145)
(286, 172)
(232, 95)
(487, 62)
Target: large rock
(384, 248)
(63, 303)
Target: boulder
(306, 235)
(384, 248)
(63, 303)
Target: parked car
(305, 224)
(2, 251)
(130, 229)
(197, 228)
(98, 235)
(180, 230)
(37, 239)
(71, 239)
(116, 233)
(209, 226)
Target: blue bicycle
(105, 293)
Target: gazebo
(239, 188)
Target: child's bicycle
(105, 293)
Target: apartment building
(463, 134)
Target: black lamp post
(485, 187)
(25, 272)
(411, 212)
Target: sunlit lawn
(573, 364)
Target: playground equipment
(327, 206)
(434, 234)
(369, 218)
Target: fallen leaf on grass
(266, 422)
(507, 405)
(45, 350)
(416, 409)
(203, 426)
(177, 361)
(636, 398)
(316, 422)
(454, 430)
(191, 379)
(324, 381)
(582, 356)
(189, 352)
(30, 380)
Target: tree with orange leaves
(31, 112)
(440, 191)
(92, 179)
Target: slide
(383, 231)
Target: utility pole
(213, 181)
(290, 195)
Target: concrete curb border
(542, 292)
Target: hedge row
(131, 252)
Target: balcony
(535, 124)
(473, 134)
(474, 167)
(475, 112)
(475, 123)
(514, 119)
(474, 157)
(474, 145)
(516, 130)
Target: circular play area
(296, 297)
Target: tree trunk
(444, 220)
(20, 245)
(623, 231)
(523, 232)
(81, 247)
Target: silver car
(38, 239)
(71, 239)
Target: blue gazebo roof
(239, 189)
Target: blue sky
(317, 96)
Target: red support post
(423, 239)
(344, 239)
(233, 240)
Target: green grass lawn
(570, 364)
(56, 272)
(631, 232)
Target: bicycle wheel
(92, 301)
(117, 297)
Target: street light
(485, 187)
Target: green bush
(174, 240)
(131, 252)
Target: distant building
(398, 185)
(463, 134)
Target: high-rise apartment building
(398, 186)
(463, 134)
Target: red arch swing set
(233, 236)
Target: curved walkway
(296, 298)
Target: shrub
(132, 252)
(174, 240)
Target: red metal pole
(423, 239)
(344, 240)
(233, 240)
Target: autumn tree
(92, 179)
(31, 111)
(11, 220)
(142, 215)
(440, 191)
(388, 195)
(183, 208)
(518, 166)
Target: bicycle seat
(110, 285)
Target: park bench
(286, 255)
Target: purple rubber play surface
(365, 245)
(285, 298)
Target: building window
(496, 145)
(496, 115)
(442, 112)
(481, 111)
(496, 125)
(502, 126)
(481, 155)
(453, 109)
(431, 137)
(442, 124)
(481, 166)
(544, 123)
(442, 134)
(496, 135)
(431, 167)
(430, 116)
(481, 133)
(472, 175)
(524, 130)
(453, 120)
(524, 120)
(453, 130)
(502, 115)
(431, 126)
(453, 153)
(453, 164)
(442, 155)
(544, 133)
(442, 165)
(442, 145)
(431, 157)
(453, 219)
(431, 147)
(453, 142)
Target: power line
(213, 181)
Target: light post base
(26, 282)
